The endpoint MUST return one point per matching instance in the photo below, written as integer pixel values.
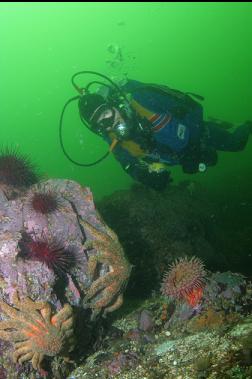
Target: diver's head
(89, 104)
(103, 117)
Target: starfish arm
(14, 336)
(69, 333)
(10, 324)
(92, 264)
(107, 296)
(117, 304)
(6, 336)
(21, 351)
(63, 315)
(37, 360)
(111, 233)
(101, 236)
(24, 358)
(9, 310)
(28, 303)
(46, 313)
(19, 345)
(98, 285)
(68, 324)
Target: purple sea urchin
(16, 170)
(184, 280)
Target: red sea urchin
(51, 253)
(185, 280)
(15, 169)
(44, 202)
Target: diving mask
(107, 119)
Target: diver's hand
(155, 180)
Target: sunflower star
(34, 331)
(110, 285)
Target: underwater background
(183, 256)
(205, 48)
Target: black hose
(61, 139)
(102, 76)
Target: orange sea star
(34, 331)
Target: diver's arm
(155, 180)
(140, 172)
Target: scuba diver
(152, 127)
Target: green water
(205, 48)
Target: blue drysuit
(179, 135)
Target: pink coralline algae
(57, 251)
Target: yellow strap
(141, 110)
(132, 147)
(113, 144)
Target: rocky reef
(163, 339)
(61, 266)
(185, 220)
(64, 269)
